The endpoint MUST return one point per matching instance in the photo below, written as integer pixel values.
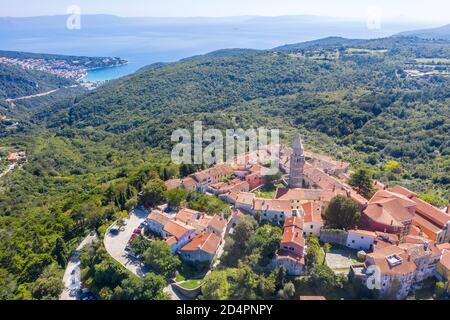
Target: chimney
(392, 222)
(409, 257)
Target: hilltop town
(403, 238)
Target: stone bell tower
(296, 174)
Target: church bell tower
(296, 174)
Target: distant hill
(435, 33)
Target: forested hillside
(17, 82)
(381, 104)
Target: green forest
(90, 155)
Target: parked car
(87, 296)
(137, 231)
(142, 225)
(114, 232)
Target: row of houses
(195, 235)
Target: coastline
(81, 79)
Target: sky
(437, 11)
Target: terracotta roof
(176, 229)
(298, 194)
(245, 198)
(416, 231)
(384, 194)
(173, 184)
(293, 232)
(415, 239)
(445, 259)
(444, 246)
(159, 217)
(218, 170)
(313, 212)
(432, 213)
(284, 254)
(235, 184)
(380, 256)
(171, 240)
(13, 157)
(237, 213)
(218, 223)
(428, 228)
(207, 242)
(423, 208)
(189, 183)
(273, 205)
(186, 215)
(293, 222)
(388, 236)
(401, 190)
(389, 209)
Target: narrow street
(71, 277)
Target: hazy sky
(418, 10)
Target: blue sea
(145, 41)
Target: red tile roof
(218, 223)
(173, 184)
(293, 232)
(313, 212)
(445, 259)
(159, 217)
(207, 242)
(185, 215)
(176, 229)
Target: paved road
(116, 244)
(71, 277)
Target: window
(353, 241)
(312, 227)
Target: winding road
(71, 277)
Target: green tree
(60, 252)
(148, 288)
(324, 280)
(154, 192)
(107, 274)
(341, 213)
(49, 284)
(265, 241)
(216, 286)
(236, 244)
(314, 254)
(176, 197)
(326, 249)
(160, 258)
(287, 292)
(362, 181)
(439, 289)
(8, 285)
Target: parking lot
(116, 242)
